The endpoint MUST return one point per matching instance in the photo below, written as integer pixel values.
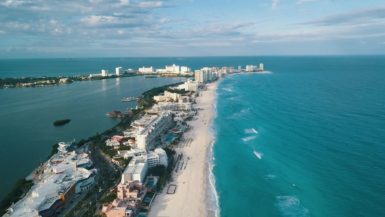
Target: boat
(129, 99)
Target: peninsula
(155, 162)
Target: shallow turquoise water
(306, 140)
(320, 124)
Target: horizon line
(194, 56)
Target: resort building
(261, 67)
(119, 208)
(104, 73)
(150, 127)
(167, 97)
(146, 70)
(118, 71)
(135, 171)
(206, 75)
(133, 152)
(157, 157)
(172, 69)
(115, 141)
(185, 70)
(251, 68)
(189, 85)
(55, 184)
(171, 106)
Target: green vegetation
(49, 81)
(19, 190)
(147, 100)
(182, 92)
(58, 123)
(53, 150)
(108, 198)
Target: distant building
(118, 71)
(206, 75)
(261, 67)
(167, 96)
(189, 85)
(146, 70)
(172, 69)
(185, 70)
(251, 68)
(104, 73)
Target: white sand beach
(189, 199)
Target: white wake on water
(251, 131)
(248, 138)
(258, 154)
(228, 89)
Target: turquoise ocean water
(306, 140)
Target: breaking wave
(251, 131)
(290, 206)
(249, 138)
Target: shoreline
(194, 182)
(43, 81)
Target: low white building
(146, 70)
(112, 143)
(251, 68)
(172, 69)
(135, 171)
(134, 152)
(167, 97)
(185, 70)
(171, 106)
(189, 85)
(104, 73)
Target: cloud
(305, 1)
(367, 16)
(148, 27)
(150, 4)
(275, 3)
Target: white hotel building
(206, 75)
(146, 70)
(150, 127)
(118, 71)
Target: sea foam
(290, 206)
(258, 154)
(248, 138)
(251, 131)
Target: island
(62, 122)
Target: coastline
(193, 181)
(22, 186)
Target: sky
(152, 28)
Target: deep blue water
(84, 66)
(319, 131)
